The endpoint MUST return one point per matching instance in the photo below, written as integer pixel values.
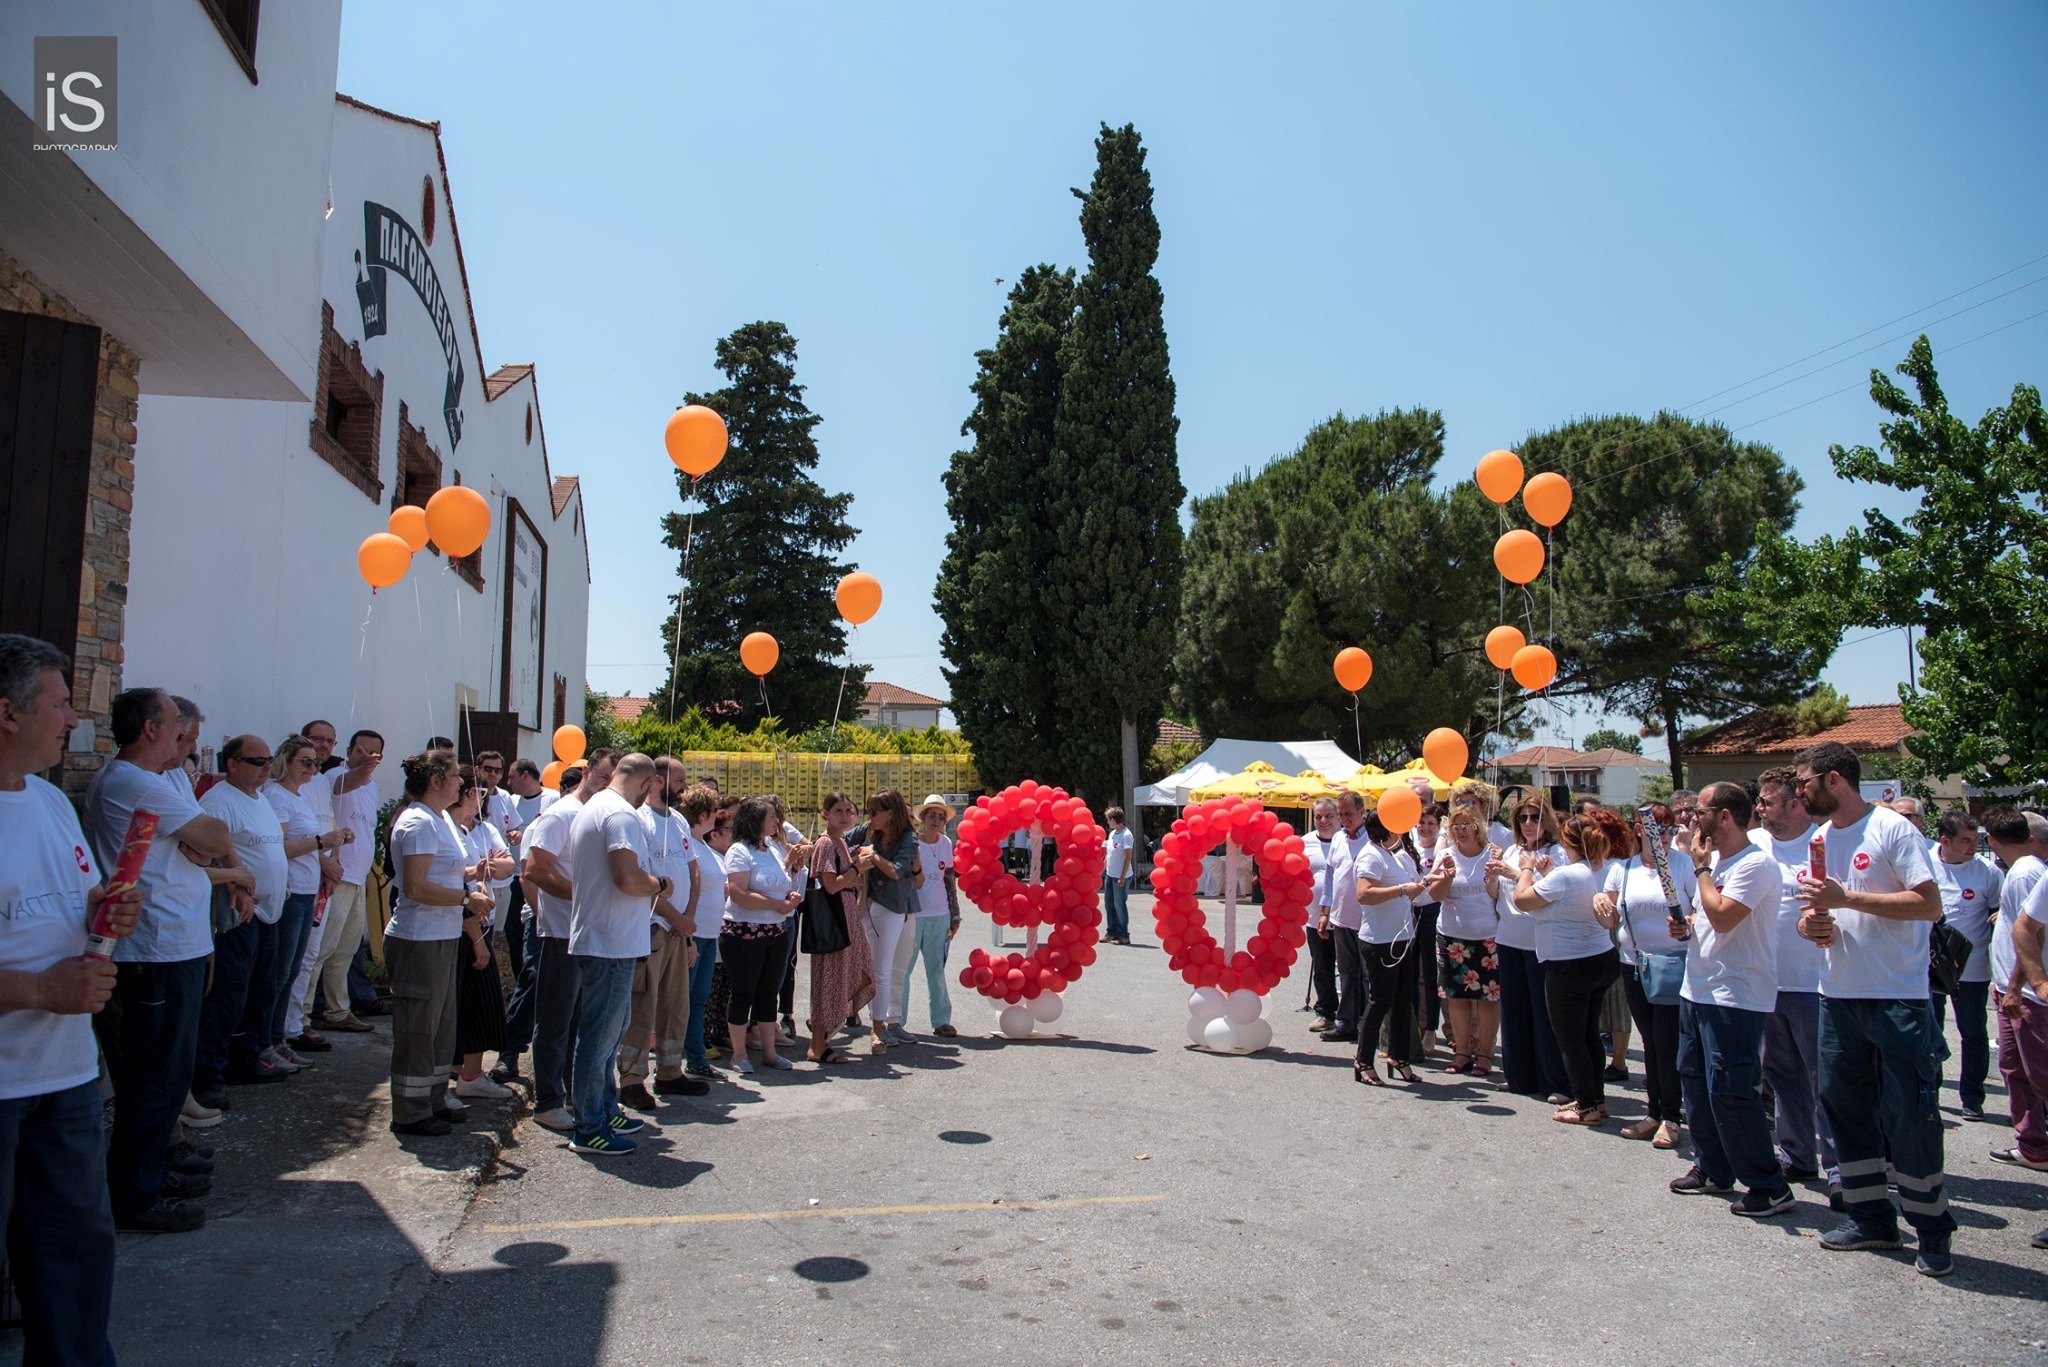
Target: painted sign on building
(390, 244)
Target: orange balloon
(1548, 497)
(1400, 808)
(569, 743)
(695, 437)
(382, 559)
(409, 524)
(1518, 555)
(859, 596)
(551, 777)
(458, 520)
(759, 653)
(1502, 643)
(1500, 475)
(1534, 667)
(1354, 668)
(1445, 752)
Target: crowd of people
(1770, 943)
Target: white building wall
(245, 594)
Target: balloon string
(466, 708)
(362, 650)
(676, 646)
(1357, 730)
(426, 680)
(852, 642)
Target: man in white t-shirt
(350, 794)
(1344, 918)
(613, 892)
(318, 793)
(932, 925)
(1880, 1050)
(1791, 1055)
(1120, 861)
(1329, 866)
(1731, 986)
(2020, 984)
(1969, 898)
(230, 1027)
(150, 1031)
(660, 1012)
(544, 864)
(50, 1126)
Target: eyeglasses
(1800, 783)
(253, 761)
(306, 761)
(491, 769)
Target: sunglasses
(253, 761)
(307, 760)
(1536, 817)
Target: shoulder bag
(1660, 974)
(1948, 949)
(821, 924)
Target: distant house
(1739, 750)
(1612, 776)
(1172, 732)
(899, 709)
(627, 709)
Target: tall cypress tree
(1112, 590)
(991, 583)
(763, 548)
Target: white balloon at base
(1045, 1008)
(1206, 1004)
(1254, 1035)
(1242, 1005)
(1015, 1022)
(1221, 1035)
(1228, 1024)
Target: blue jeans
(1880, 1083)
(225, 1044)
(1792, 1067)
(605, 1005)
(702, 974)
(1720, 1052)
(1973, 1005)
(519, 1009)
(294, 924)
(1116, 908)
(150, 1035)
(53, 1204)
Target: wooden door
(49, 374)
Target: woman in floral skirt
(844, 981)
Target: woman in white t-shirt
(306, 838)
(708, 843)
(786, 840)
(1632, 902)
(1468, 961)
(1389, 886)
(1530, 1061)
(479, 994)
(760, 897)
(425, 941)
(1578, 957)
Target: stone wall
(103, 585)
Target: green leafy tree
(1821, 709)
(1658, 504)
(1606, 738)
(600, 729)
(1344, 542)
(1112, 588)
(1968, 567)
(990, 592)
(763, 553)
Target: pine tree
(762, 553)
(1112, 590)
(990, 587)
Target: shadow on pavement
(535, 1308)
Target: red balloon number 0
(1283, 873)
(1065, 901)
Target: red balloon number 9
(1065, 901)
(1283, 874)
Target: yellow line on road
(725, 1217)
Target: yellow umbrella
(1371, 779)
(1262, 781)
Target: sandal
(1567, 1114)
(1596, 1116)
(1482, 1064)
(1400, 1070)
(1666, 1141)
(1458, 1067)
(1364, 1072)
(1642, 1129)
(832, 1056)
(876, 1046)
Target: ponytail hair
(1586, 838)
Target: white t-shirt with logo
(1969, 896)
(1391, 921)
(177, 896)
(605, 923)
(1639, 897)
(1738, 967)
(259, 842)
(1329, 865)
(1798, 959)
(422, 830)
(671, 854)
(1876, 957)
(1117, 851)
(1468, 912)
(301, 822)
(765, 877)
(933, 860)
(1566, 927)
(43, 885)
(355, 810)
(1344, 908)
(2022, 895)
(550, 832)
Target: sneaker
(1615, 1074)
(637, 1097)
(306, 1042)
(1762, 1205)
(210, 1098)
(452, 1102)
(678, 1086)
(1851, 1235)
(604, 1144)
(701, 1070)
(1934, 1259)
(260, 1072)
(348, 1024)
(188, 1159)
(778, 1063)
(179, 1186)
(451, 1114)
(626, 1124)
(557, 1119)
(1318, 1025)
(433, 1124)
(1693, 1182)
(2014, 1158)
(1972, 1112)
(165, 1217)
(291, 1055)
(744, 1067)
(945, 1031)
(482, 1089)
(1793, 1174)
(898, 1035)
(2041, 1240)
(788, 1027)
(197, 1115)
(275, 1057)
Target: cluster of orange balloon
(1520, 555)
(456, 519)
(859, 598)
(569, 744)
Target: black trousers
(1572, 989)
(1392, 973)
(1425, 948)
(1657, 1026)
(558, 991)
(1351, 978)
(753, 966)
(1322, 974)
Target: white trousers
(886, 934)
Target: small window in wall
(346, 403)
(236, 20)
(419, 465)
(427, 211)
(561, 702)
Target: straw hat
(931, 801)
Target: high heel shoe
(1482, 1064)
(1364, 1072)
(1400, 1070)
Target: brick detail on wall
(103, 584)
(354, 449)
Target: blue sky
(1515, 214)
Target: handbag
(1660, 974)
(1948, 949)
(822, 927)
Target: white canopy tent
(1226, 757)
